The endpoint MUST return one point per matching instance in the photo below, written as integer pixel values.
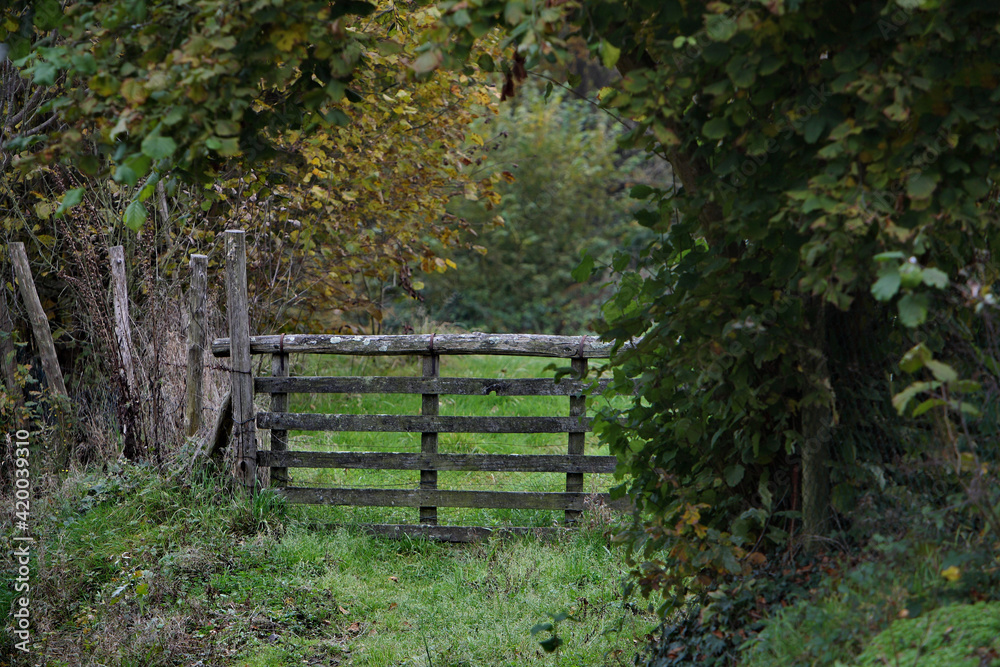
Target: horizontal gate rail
(420, 461)
(425, 385)
(524, 345)
(541, 500)
(307, 421)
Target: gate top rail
(527, 345)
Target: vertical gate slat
(279, 403)
(577, 408)
(429, 441)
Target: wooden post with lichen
(123, 328)
(577, 408)
(244, 430)
(36, 315)
(196, 342)
(8, 362)
(429, 407)
(279, 403)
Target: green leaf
(582, 272)
(551, 644)
(903, 398)
(720, 27)
(541, 627)
(913, 309)
(887, 285)
(894, 254)
(965, 386)
(849, 60)
(427, 61)
(715, 128)
(609, 54)
(935, 278)
(734, 474)
(48, 14)
(158, 147)
(915, 358)
(741, 71)
(929, 404)
(486, 63)
(127, 175)
(920, 186)
(813, 128)
(941, 370)
(640, 191)
(135, 215)
(70, 199)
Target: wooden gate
(430, 386)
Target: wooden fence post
(8, 360)
(36, 315)
(429, 441)
(196, 342)
(123, 328)
(577, 408)
(279, 403)
(244, 429)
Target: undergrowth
(134, 567)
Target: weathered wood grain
(8, 358)
(424, 461)
(577, 408)
(197, 296)
(37, 318)
(435, 498)
(446, 533)
(426, 385)
(244, 433)
(123, 324)
(420, 424)
(529, 345)
(279, 403)
(429, 406)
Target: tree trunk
(817, 425)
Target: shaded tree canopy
(838, 180)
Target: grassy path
(136, 568)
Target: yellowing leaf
(951, 573)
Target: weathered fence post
(8, 362)
(577, 408)
(36, 315)
(123, 328)
(244, 429)
(279, 403)
(196, 342)
(429, 441)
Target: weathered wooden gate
(431, 347)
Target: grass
(136, 567)
(456, 443)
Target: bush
(564, 192)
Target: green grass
(134, 568)
(138, 568)
(456, 443)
